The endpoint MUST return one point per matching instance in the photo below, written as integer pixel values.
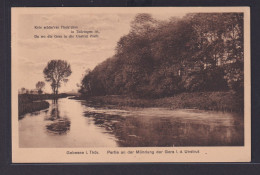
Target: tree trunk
(54, 90)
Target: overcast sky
(32, 55)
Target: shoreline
(28, 103)
(32, 107)
(209, 101)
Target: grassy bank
(222, 101)
(28, 103)
(25, 108)
(25, 98)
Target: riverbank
(28, 103)
(219, 101)
(25, 108)
(24, 98)
(79, 125)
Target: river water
(71, 123)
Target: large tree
(56, 72)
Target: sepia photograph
(126, 78)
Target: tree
(23, 90)
(143, 23)
(56, 72)
(198, 52)
(40, 85)
(85, 87)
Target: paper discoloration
(123, 122)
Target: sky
(32, 54)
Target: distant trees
(39, 86)
(23, 90)
(27, 91)
(199, 52)
(56, 72)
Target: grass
(25, 98)
(32, 107)
(219, 101)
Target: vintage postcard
(128, 84)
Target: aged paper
(110, 84)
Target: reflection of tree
(54, 112)
(60, 125)
(136, 131)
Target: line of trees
(199, 52)
(39, 89)
(56, 72)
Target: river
(71, 123)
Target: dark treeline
(199, 52)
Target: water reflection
(54, 111)
(72, 123)
(60, 125)
(208, 129)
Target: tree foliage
(40, 85)
(199, 52)
(56, 72)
